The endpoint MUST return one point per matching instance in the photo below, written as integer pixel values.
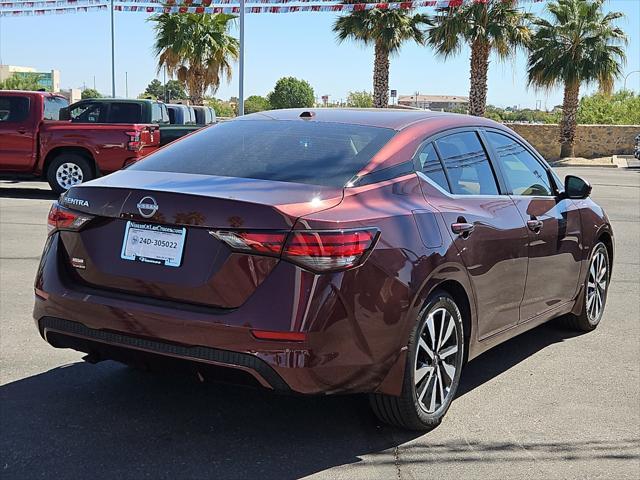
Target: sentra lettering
(76, 201)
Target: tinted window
(172, 115)
(52, 106)
(125, 113)
(467, 165)
(430, 165)
(14, 109)
(288, 151)
(88, 112)
(524, 174)
(156, 113)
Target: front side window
(89, 112)
(467, 164)
(52, 106)
(158, 113)
(14, 109)
(429, 164)
(314, 153)
(523, 173)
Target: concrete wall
(592, 141)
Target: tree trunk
(381, 76)
(569, 114)
(479, 67)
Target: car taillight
(316, 250)
(61, 218)
(134, 144)
(268, 243)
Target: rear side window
(52, 106)
(287, 151)
(429, 164)
(125, 113)
(14, 109)
(524, 174)
(467, 165)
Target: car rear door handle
(462, 228)
(534, 225)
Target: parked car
(180, 114)
(118, 110)
(205, 115)
(636, 149)
(326, 251)
(34, 144)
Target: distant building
(434, 102)
(73, 94)
(47, 80)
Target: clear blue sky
(298, 44)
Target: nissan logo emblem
(147, 207)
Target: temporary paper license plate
(155, 244)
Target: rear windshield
(286, 151)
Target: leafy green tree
(291, 92)
(492, 27)
(90, 93)
(222, 108)
(361, 99)
(21, 81)
(174, 89)
(579, 44)
(387, 30)
(196, 49)
(621, 108)
(256, 103)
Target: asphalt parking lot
(549, 404)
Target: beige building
(48, 80)
(434, 102)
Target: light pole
(113, 57)
(241, 61)
(627, 76)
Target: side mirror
(576, 187)
(64, 114)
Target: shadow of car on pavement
(110, 421)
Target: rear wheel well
(605, 237)
(56, 152)
(459, 294)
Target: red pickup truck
(33, 142)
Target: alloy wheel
(69, 174)
(436, 360)
(596, 286)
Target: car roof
(32, 92)
(395, 119)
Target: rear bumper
(105, 345)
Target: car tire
(594, 296)
(67, 170)
(436, 364)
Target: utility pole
(113, 57)
(164, 81)
(126, 84)
(241, 59)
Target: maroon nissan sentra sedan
(325, 251)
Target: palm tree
(197, 49)
(387, 30)
(579, 44)
(494, 26)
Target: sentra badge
(76, 201)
